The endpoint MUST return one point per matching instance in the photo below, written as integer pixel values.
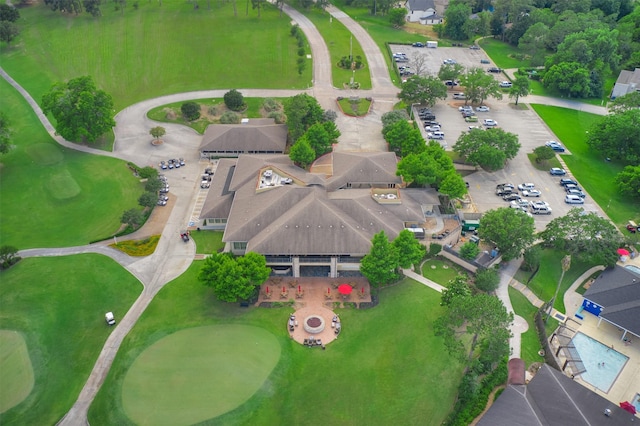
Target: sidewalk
(422, 280)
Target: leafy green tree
(65, 6)
(479, 85)
(455, 18)
(423, 90)
(431, 166)
(157, 132)
(8, 257)
(234, 278)
(480, 26)
(318, 139)
(488, 148)
(190, 111)
(301, 153)
(519, 88)
(332, 130)
(481, 316)
(82, 111)
(8, 31)
(132, 217)
(148, 199)
(628, 181)
(617, 136)
(531, 258)
(403, 138)
(5, 133)
(453, 185)
(487, 279)
(585, 236)
(544, 153)
(396, 17)
(456, 287)
(410, 251)
(450, 72)
(302, 111)
(509, 230)
(9, 13)
(93, 7)
(234, 100)
(533, 43)
(148, 172)
(469, 250)
(153, 185)
(569, 78)
(391, 117)
(380, 266)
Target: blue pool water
(593, 354)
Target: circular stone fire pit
(313, 324)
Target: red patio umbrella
(345, 289)
(627, 406)
(623, 252)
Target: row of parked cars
(516, 200)
(172, 163)
(162, 193)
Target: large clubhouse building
(311, 223)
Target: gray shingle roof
(307, 217)
(617, 290)
(244, 138)
(421, 4)
(552, 399)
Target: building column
(334, 267)
(296, 267)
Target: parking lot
(531, 131)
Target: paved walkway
(422, 280)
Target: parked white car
(526, 185)
(489, 122)
(531, 193)
(573, 199)
(505, 84)
(109, 318)
(483, 108)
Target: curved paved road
(172, 257)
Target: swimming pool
(633, 268)
(602, 363)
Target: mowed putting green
(16, 371)
(198, 373)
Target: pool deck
(627, 384)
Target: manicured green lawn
(503, 54)
(58, 304)
(589, 167)
(53, 196)
(198, 373)
(253, 110)
(207, 242)
(546, 165)
(340, 42)
(387, 366)
(441, 270)
(16, 374)
(530, 345)
(156, 50)
(545, 282)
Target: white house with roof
(422, 11)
